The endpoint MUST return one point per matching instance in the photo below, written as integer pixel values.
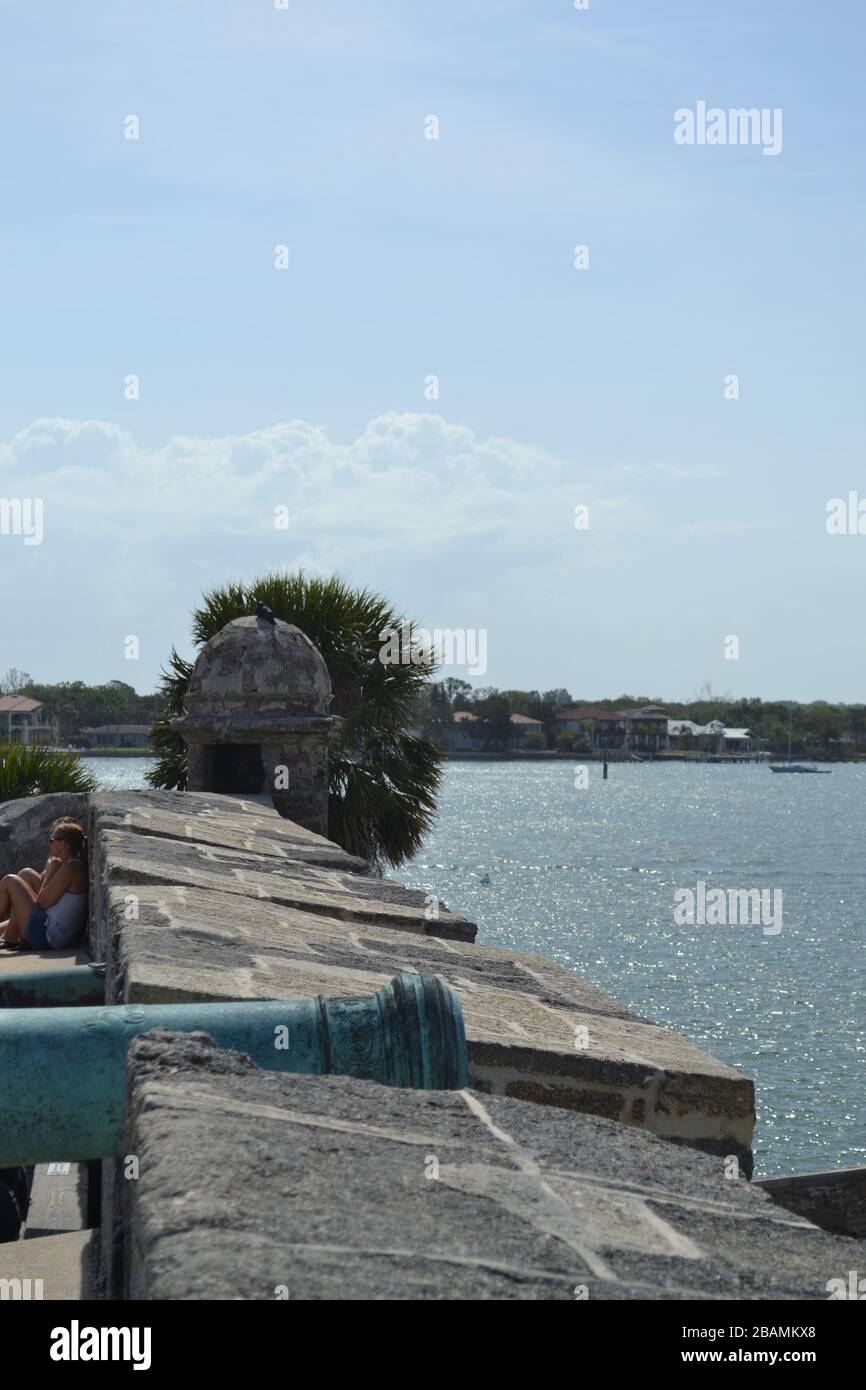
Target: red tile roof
(461, 715)
(588, 712)
(596, 712)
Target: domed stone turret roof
(256, 719)
(257, 664)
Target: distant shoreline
(112, 752)
(549, 755)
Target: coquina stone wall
(205, 897)
(198, 896)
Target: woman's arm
(56, 882)
(52, 864)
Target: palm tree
(29, 770)
(382, 780)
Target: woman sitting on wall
(48, 910)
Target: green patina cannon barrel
(62, 1069)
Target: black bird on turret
(265, 613)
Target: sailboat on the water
(790, 766)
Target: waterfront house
(741, 741)
(596, 728)
(463, 735)
(685, 736)
(118, 736)
(646, 729)
(621, 730)
(26, 721)
(459, 738)
(522, 727)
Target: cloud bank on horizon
(560, 564)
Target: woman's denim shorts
(36, 931)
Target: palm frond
(26, 770)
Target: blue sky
(410, 257)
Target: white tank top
(67, 917)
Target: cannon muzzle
(62, 1069)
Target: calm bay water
(587, 877)
(120, 774)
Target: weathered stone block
(263, 1186)
(835, 1201)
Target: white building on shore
(685, 736)
(26, 721)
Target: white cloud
(406, 477)
(420, 508)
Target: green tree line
(817, 728)
(77, 705)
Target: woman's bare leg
(18, 899)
